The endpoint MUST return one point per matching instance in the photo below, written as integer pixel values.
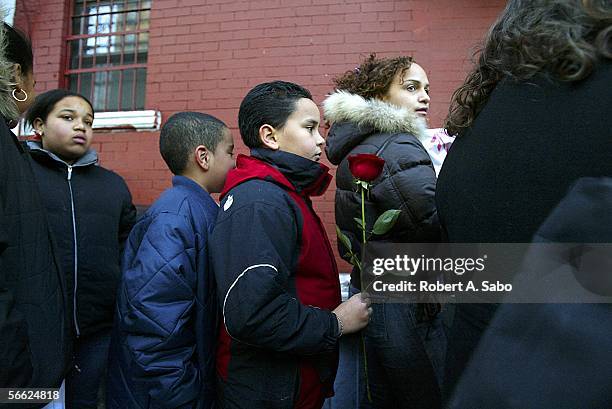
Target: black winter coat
(33, 335)
(277, 283)
(552, 355)
(408, 180)
(503, 177)
(525, 149)
(90, 214)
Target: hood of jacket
(89, 158)
(283, 168)
(354, 118)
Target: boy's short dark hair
(268, 103)
(183, 132)
(45, 102)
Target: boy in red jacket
(276, 275)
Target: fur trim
(8, 108)
(342, 106)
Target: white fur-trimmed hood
(342, 106)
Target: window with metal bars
(107, 52)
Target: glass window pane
(144, 19)
(85, 86)
(78, 25)
(143, 46)
(145, 4)
(114, 79)
(127, 89)
(73, 82)
(87, 52)
(78, 8)
(116, 48)
(91, 24)
(104, 21)
(99, 98)
(133, 4)
(118, 22)
(102, 51)
(104, 5)
(141, 86)
(129, 47)
(75, 52)
(131, 23)
(115, 43)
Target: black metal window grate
(107, 52)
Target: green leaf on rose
(385, 221)
(344, 239)
(359, 222)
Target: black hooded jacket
(407, 182)
(33, 330)
(90, 214)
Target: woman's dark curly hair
(561, 39)
(373, 77)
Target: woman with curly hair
(532, 117)
(381, 108)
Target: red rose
(366, 166)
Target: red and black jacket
(277, 282)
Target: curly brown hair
(560, 39)
(373, 77)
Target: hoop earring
(17, 99)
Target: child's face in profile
(221, 162)
(67, 130)
(300, 134)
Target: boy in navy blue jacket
(276, 275)
(162, 352)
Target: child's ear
(202, 157)
(268, 136)
(39, 127)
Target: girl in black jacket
(90, 214)
(381, 108)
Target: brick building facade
(204, 55)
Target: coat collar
(194, 187)
(90, 157)
(342, 106)
(291, 171)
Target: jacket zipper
(76, 264)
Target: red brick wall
(204, 55)
(46, 22)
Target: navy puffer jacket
(162, 349)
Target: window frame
(70, 37)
